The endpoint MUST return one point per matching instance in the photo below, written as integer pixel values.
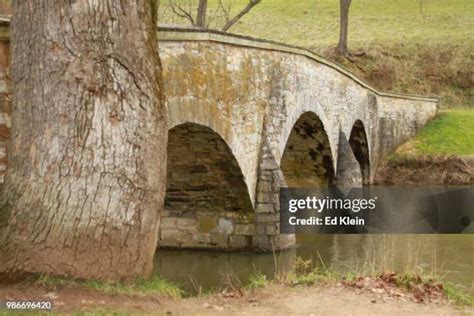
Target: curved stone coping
(193, 34)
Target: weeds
(303, 272)
(458, 295)
(257, 280)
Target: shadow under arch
(205, 191)
(307, 160)
(360, 148)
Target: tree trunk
(344, 23)
(201, 14)
(85, 185)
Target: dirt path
(273, 300)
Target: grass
(428, 52)
(451, 133)
(257, 280)
(304, 273)
(315, 23)
(458, 296)
(152, 286)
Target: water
(450, 257)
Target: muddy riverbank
(426, 170)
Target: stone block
(265, 208)
(271, 229)
(221, 240)
(268, 218)
(260, 229)
(172, 236)
(268, 164)
(226, 226)
(262, 242)
(265, 176)
(239, 241)
(202, 239)
(284, 241)
(246, 230)
(206, 224)
(186, 222)
(168, 222)
(265, 186)
(266, 197)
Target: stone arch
(359, 144)
(293, 114)
(206, 194)
(180, 112)
(307, 160)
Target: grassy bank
(451, 133)
(152, 286)
(303, 273)
(442, 153)
(405, 50)
(419, 287)
(387, 294)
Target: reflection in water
(212, 269)
(450, 257)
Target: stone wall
(399, 120)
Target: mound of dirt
(426, 170)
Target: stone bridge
(249, 116)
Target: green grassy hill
(451, 133)
(428, 52)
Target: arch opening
(360, 148)
(206, 196)
(307, 159)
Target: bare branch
(213, 15)
(225, 11)
(244, 11)
(179, 11)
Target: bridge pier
(348, 168)
(267, 205)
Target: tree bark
(344, 24)
(201, 14)
(85, 185)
